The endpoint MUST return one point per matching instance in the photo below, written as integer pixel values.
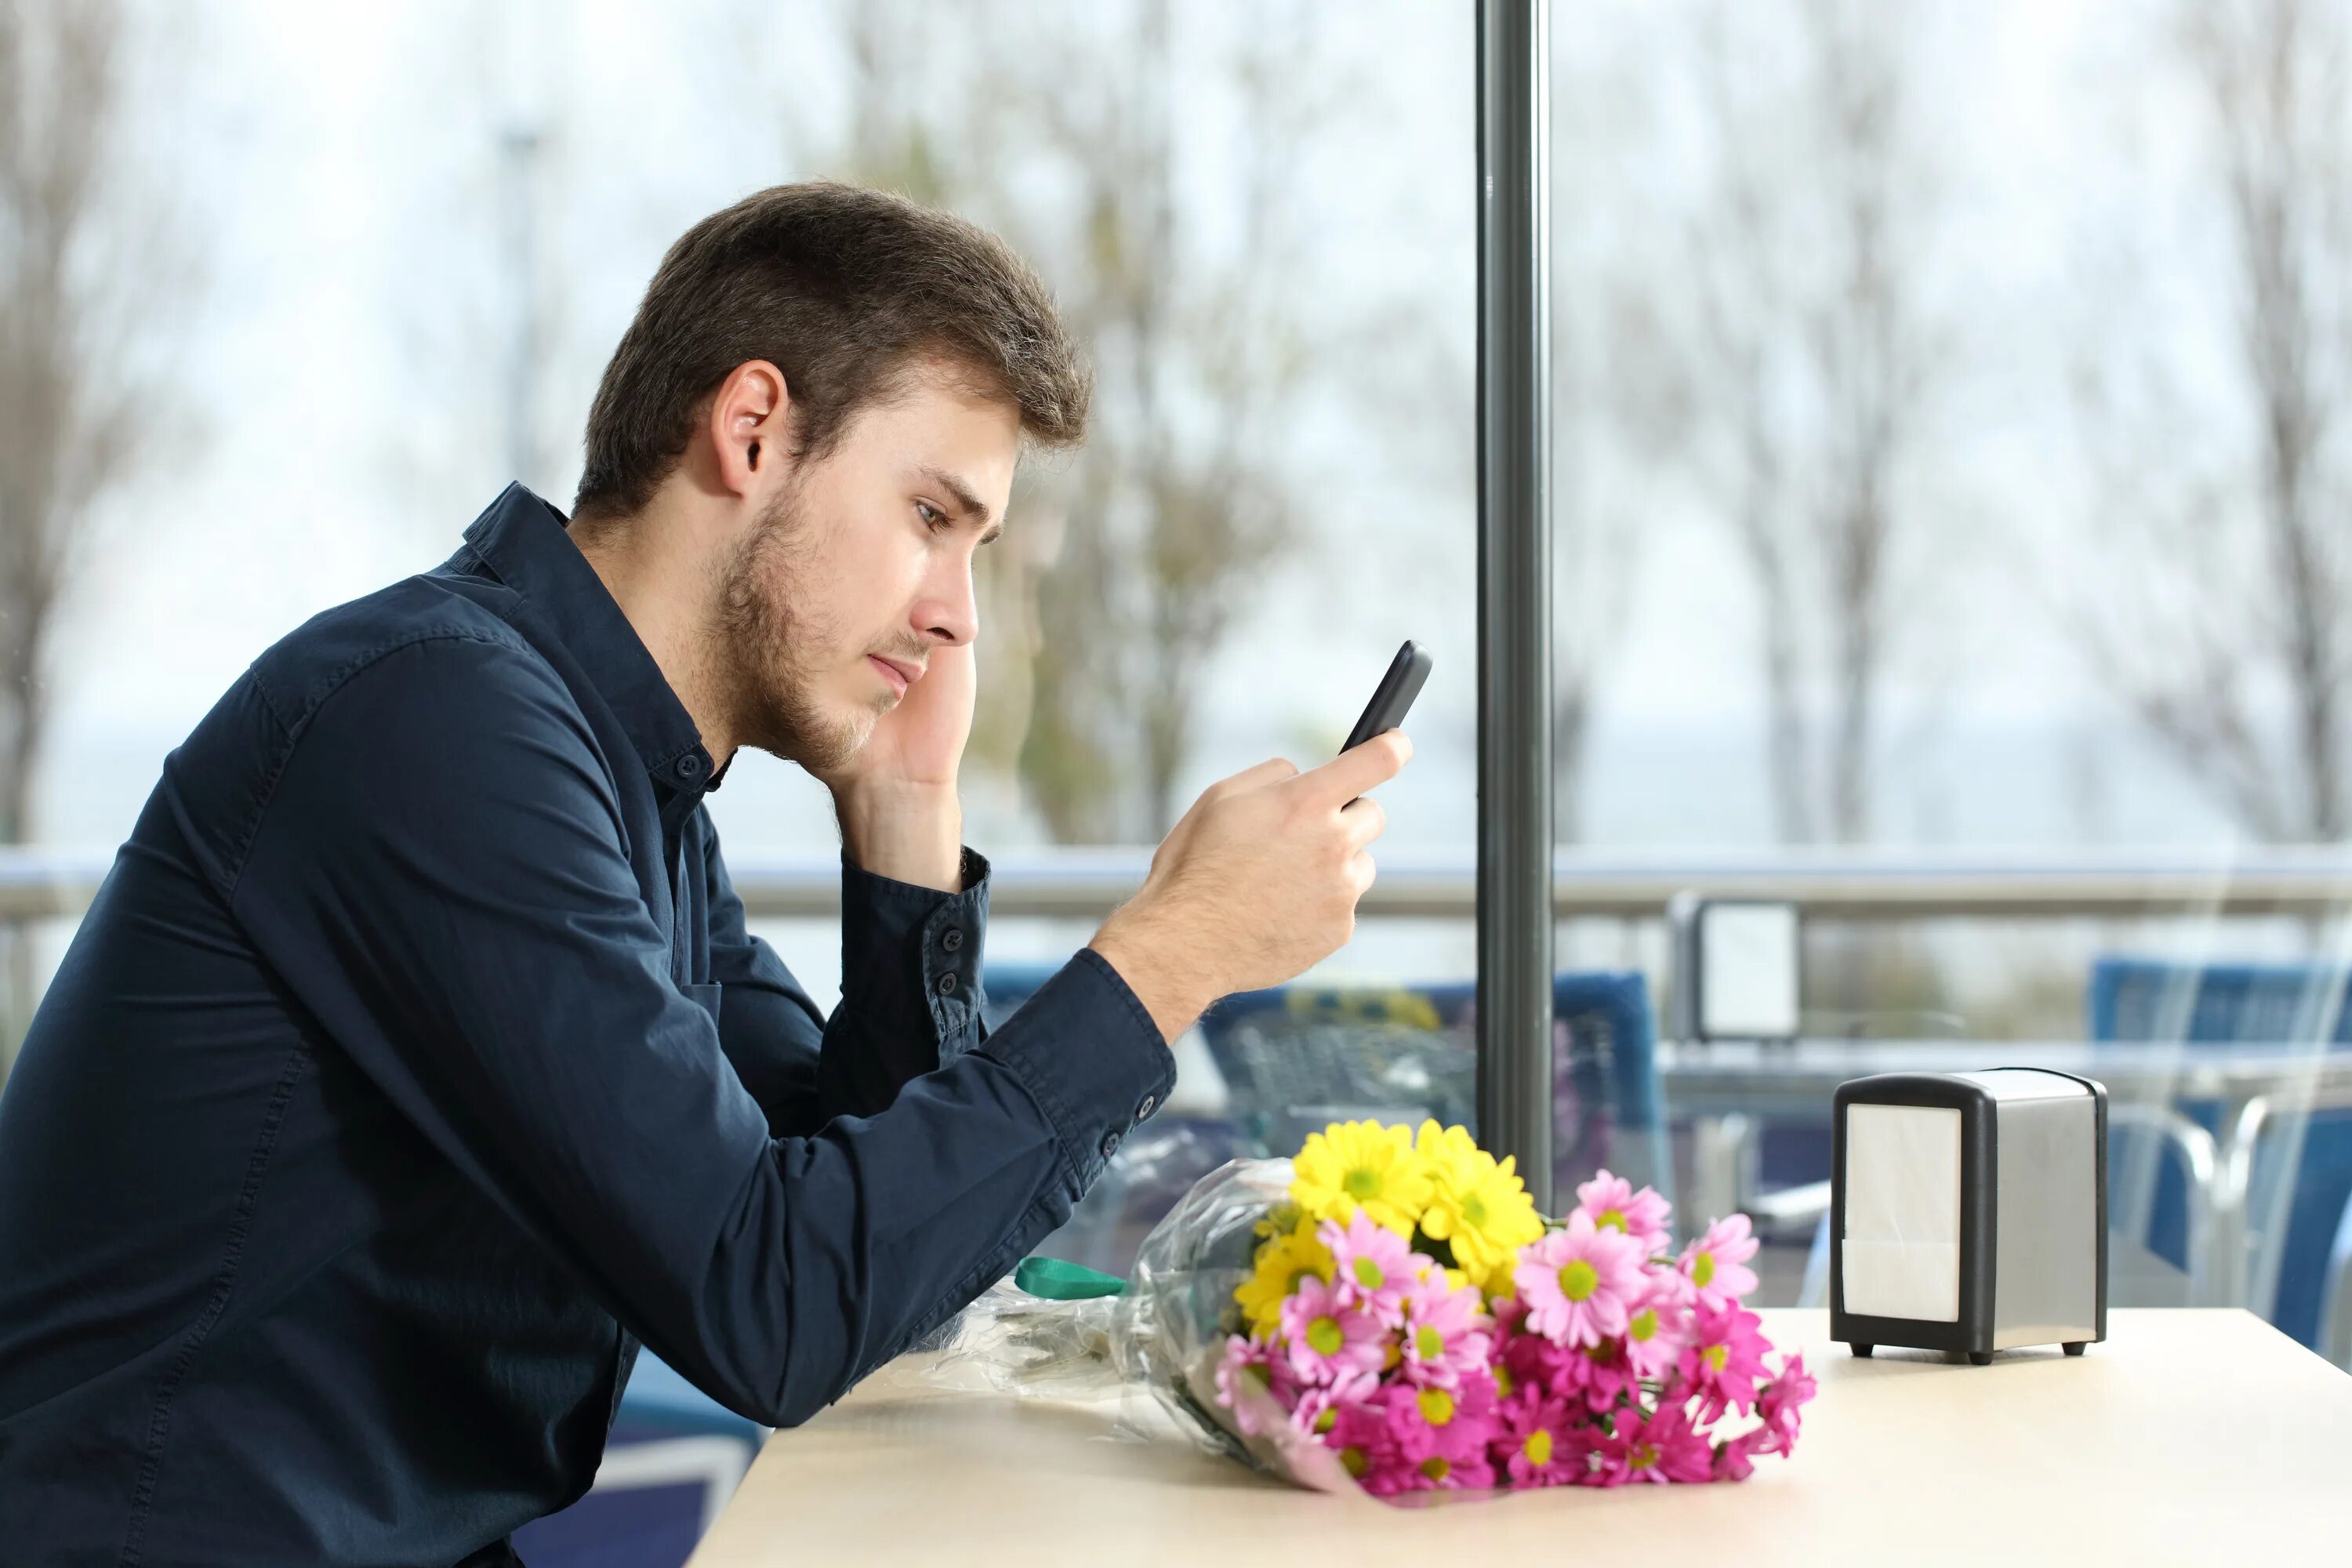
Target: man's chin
(826, 747)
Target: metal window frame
(1515, 760)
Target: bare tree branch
(2218, 656)
(1817, 357)
(86, 269)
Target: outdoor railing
(44, 883)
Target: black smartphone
(1392, 699)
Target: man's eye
(933, 518)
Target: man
(414, 1065)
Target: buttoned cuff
(1088, 1050)
(910, 956)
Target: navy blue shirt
(413, 1064)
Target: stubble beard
(764, 638)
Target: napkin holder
(1968, 1212)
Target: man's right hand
(1256, 883)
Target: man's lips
(899, 676)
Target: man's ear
(746, 425)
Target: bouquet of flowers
(1388, 1312)
(1410, 1310)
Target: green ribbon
(1058, 1282)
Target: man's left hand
(896, 797)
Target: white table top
(2188, 1436)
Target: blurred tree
(1813, 361)
(480, 302)
(2222, 628)
(1619, 405)
(1059, 127)
(1182, 503)
(89, 278)
(889, 138)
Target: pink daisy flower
(1367, 1449)
(1444, 1433)
(1657, 1328)
(1317, 1410)
(1538, 1442)
(1449, 1421)
(1446, 1335)
(1577, 1283)
(1527, 1359)
(1614, 1206)
(1442, 1472)
(1724, 1360)
(1246, 1361)
(1659, 1446)
(1607, 1378)
(1717, 1263)
(1373, 1269)
(1735, 1459)
(1531, 1361)
(1325, 1339)
(1779, 1402)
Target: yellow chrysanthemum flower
(1282, 1263)
(1478, 1207)
(1279, 1220)
(1453, 1156)
(1352, 1165)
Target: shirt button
(1109, 1144)
(689, 766)
(952, 939)
(947, 984)
(1150, 1103)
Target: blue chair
(1607, 1065)
(2157, 1000)
(1296, 1057)
(2217, 1004)
(2336, 1322)
(1004, 986)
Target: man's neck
(661, 581)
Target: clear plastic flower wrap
(1160, 1335)
(1386, 1313)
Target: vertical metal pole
(1515, 763)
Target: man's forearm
(1169, 991)
(910, 833)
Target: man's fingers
(1361, 820)
(1354, 771)
(1274, 770)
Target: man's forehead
(968, 441)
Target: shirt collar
(524, 542)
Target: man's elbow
(802, 1392)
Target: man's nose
(950, 612)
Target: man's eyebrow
(971, 505)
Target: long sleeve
(910, 971)
(440, 869)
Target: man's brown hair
(843, 289)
